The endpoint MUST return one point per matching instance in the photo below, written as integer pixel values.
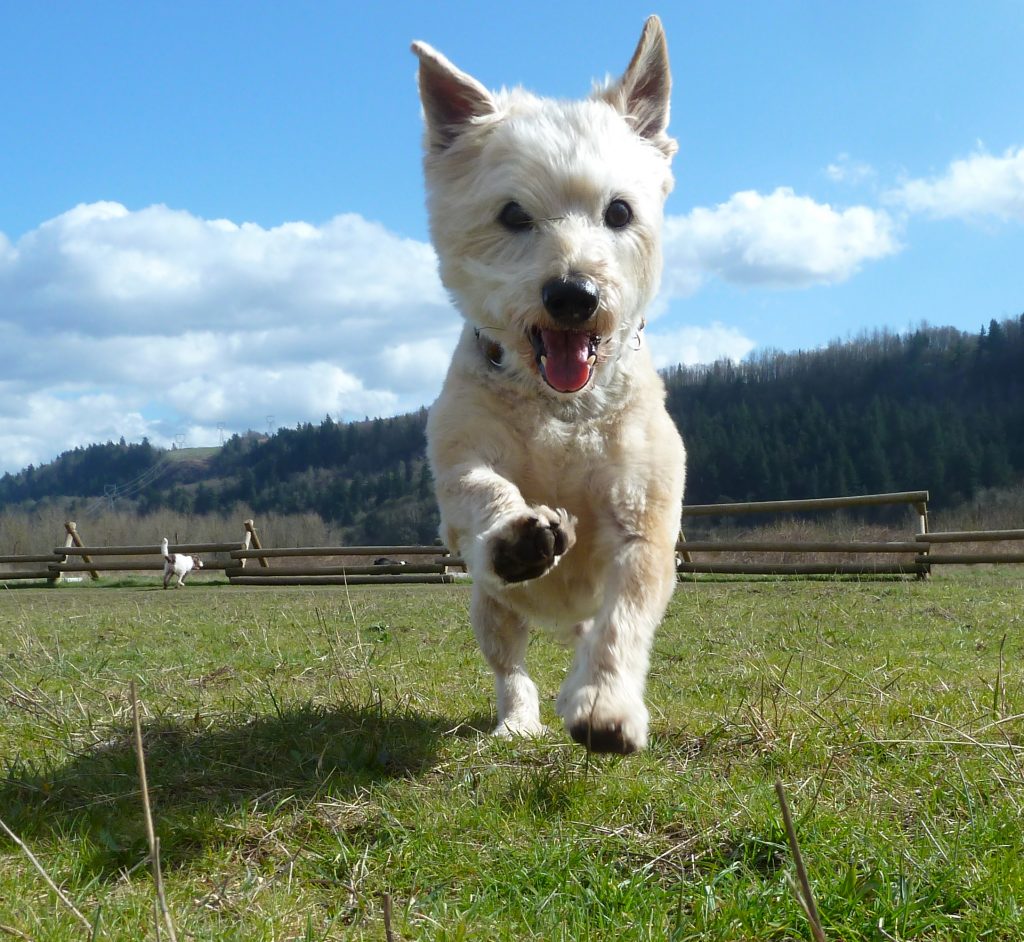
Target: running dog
(558, 470)
(177, 565)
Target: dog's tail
(165, 550)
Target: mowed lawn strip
(310, 750)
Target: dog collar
(491, 349)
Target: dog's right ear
(451, 98)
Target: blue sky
(212, 213)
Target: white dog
(558, 470)
(177, 564)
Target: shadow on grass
(203, 777)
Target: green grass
(192, 454)
(310, 750)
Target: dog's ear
(451, 98)
(644, 91)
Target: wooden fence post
(687, 558)
(922, 528)
(252, 538)
(73, 539)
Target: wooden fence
(346, 565)
(902, 557)
(914, 555)
(76, 557)
(397, 565)
(370, 565)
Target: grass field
(310, 750)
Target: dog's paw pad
(531, 545)
(610, 738)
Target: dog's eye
(618, 215)
(514, 218)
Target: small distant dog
(558, 470)
(177, 564)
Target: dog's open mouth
(566, 358)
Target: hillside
(934, 408)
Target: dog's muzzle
(567, 353)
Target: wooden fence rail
(270, 552)
(796, 546)
(952, 537)
(812, 503)
(313, 578)
(150, 550)
(385, 571)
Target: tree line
(933, 408)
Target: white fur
(565, 505)
(177, 565)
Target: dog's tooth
(591, 360)
(543, 360)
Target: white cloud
(100, 268)
(156, 322)
(690, 345)
(36, 425)
(408, 366)
(974, 187)
(780, 240)
(310, 390)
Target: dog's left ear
(643, 93)
(451, 98)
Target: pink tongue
(566, 368)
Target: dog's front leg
(602, 699)
(503, 539)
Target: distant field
(191, 454)
(310, 750)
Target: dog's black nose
(571, 300)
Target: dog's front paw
(605, 717)
(528, 546)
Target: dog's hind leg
(502, 636)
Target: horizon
(214, 218)
(864, 337)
